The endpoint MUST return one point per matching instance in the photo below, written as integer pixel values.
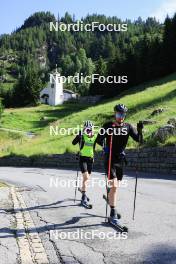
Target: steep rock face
(41, 56)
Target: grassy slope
(141, 102)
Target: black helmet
(120, 108)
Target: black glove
(140, 126)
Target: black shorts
(116, 169)
(86, 164)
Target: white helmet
(88, 124)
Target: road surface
(46, 226)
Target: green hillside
(141, 101)
(144, 51)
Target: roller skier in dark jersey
(113, 137)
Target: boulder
(164, 132)
(157, 111)
(172, 121)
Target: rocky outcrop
(148, 122)
(166, 131)
(172, 121)
(157, 111)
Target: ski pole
(109, 174)
(110, 158)
(106, 196)
(136, 180)
(103, 153)
(78, 154)
(76, 186)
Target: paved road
(65, 228)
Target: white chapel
(54, 94)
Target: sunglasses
(120, 115)
(88, 130)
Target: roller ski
(85, 204)
(113, 221)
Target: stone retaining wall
(160, 160)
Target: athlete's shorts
(86, 164)
(116, 169)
